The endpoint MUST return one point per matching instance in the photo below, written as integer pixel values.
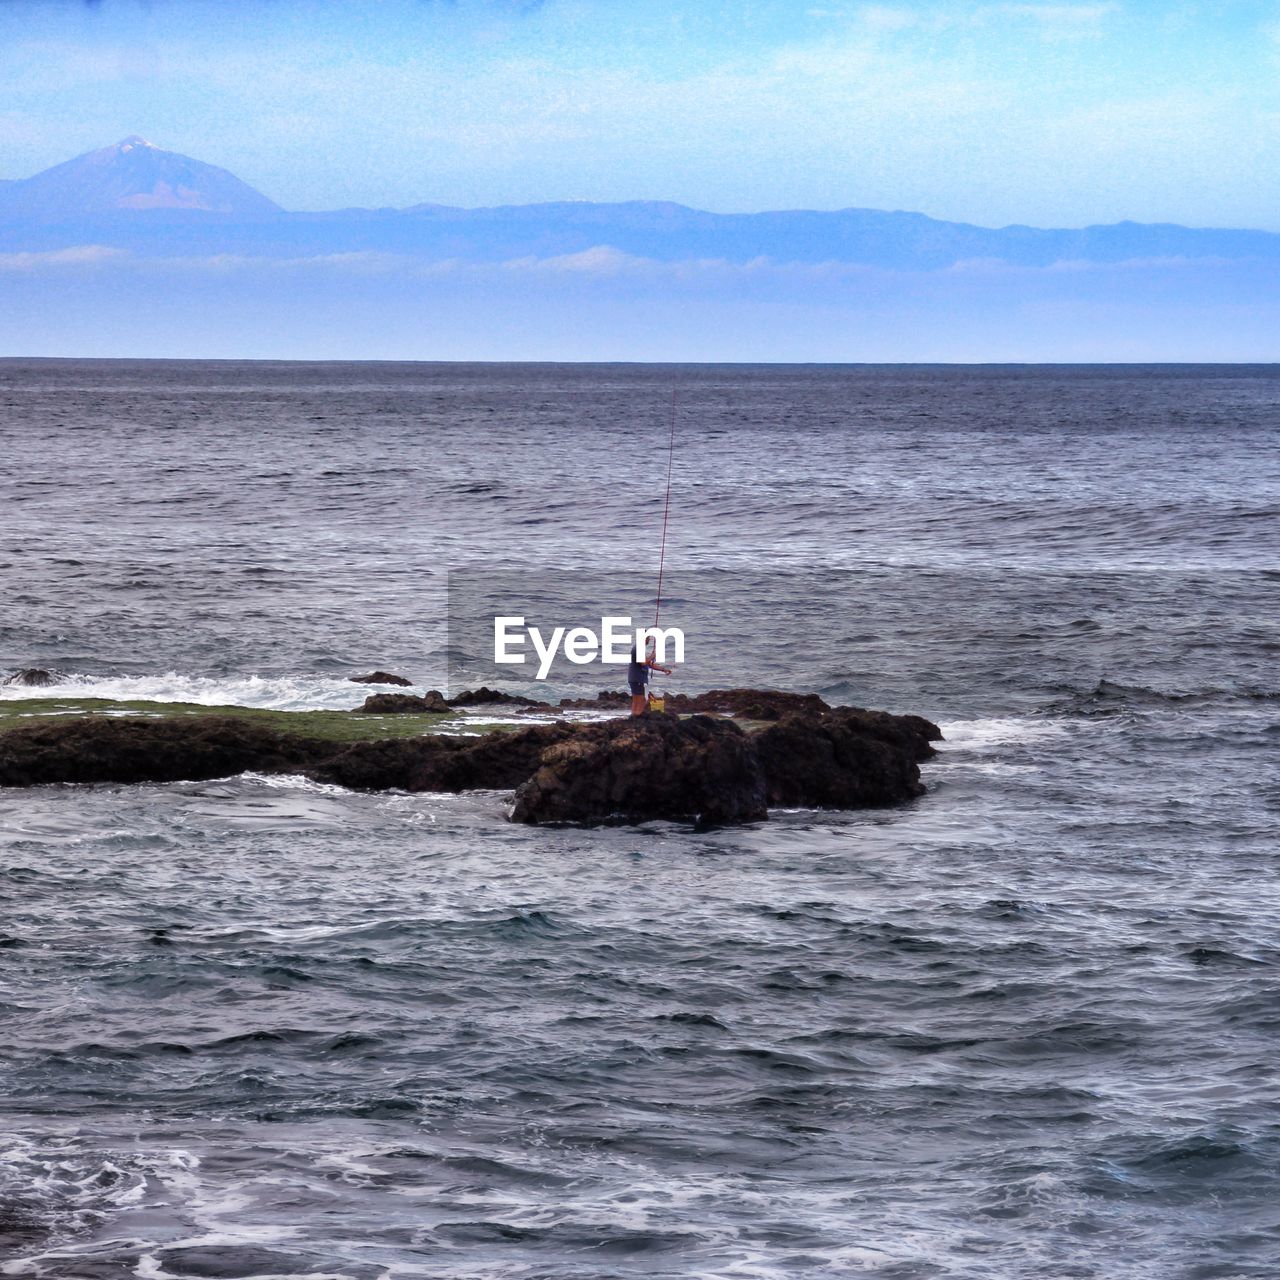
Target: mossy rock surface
(327, 726)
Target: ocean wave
(1109, 697)
(999, 731)
(307, 692)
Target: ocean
(1023, 1027)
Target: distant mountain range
(154, 203)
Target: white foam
(273, 693)
(985, 735)
(296, 782)
(308, 692)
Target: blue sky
(1045, 113)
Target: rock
(37, 677)
(748, 704)
(381, 677)
(744, 704)
(605, 700)
(845, 758)
(111, 749)
(390, 704)
(699, 770)
(485, 696)
(492, 762)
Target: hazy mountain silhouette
(155, 203)
(133, 175)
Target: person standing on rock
(638, 675)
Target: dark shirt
(637, 672)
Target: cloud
(605, 305)
(601, 264)
(883, 17)
(500, 6)
(1057, 19)
(1072, 15)
(88, 255)
(1059, 22)
(966, 110)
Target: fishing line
(666, 510)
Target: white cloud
(602, 263)
(1070, 15)
(883, 17)
(88, 255)
(965, 110)
(1059, 22)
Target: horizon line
(666, 364)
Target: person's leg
(638, 700)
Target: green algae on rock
(328, 726)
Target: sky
(1052, 114)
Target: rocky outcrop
(381, 677)
(605, 700)
(747, 704)
(36, 677)
(485, 696)
(121, 749)
(390, 704)
(434, 700)
(490, 762)
(743, 704)
(700, 768)
(844, 758)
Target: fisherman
(638, 675)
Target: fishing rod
(666, 510)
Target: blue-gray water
(1024, 1027)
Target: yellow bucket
(657, 703)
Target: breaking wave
(276, 693)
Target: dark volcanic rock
(381, 677)
(34, 676)
(605, 700)
(748, 704)
(700, 768)
(846, 758)
(110, 749)
(405, 703)
(485, 696)
(657, 767)
(494, 761)
(745, 704)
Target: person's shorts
(637, 688)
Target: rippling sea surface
(1026, 1026)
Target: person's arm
(652, 664)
